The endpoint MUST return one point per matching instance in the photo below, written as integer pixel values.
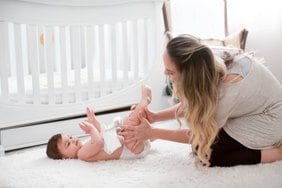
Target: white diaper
(109, 133)
(127, 154)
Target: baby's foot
(146, 95)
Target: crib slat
(102, 62)
(41, 38)
(102, 53)
(56, 41)
(76, 60)
(90, 59)
(19, 61)
(136, 62)
(146, 45)
(151, 46)
(119, 51)
(49, 57)
(33, 60)
(4, 60)
(96, 62)
(114, 55)
(25, 52)
(63, 63)
(45, 82)
(125, 51)
(11, 43)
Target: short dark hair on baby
(52, 150)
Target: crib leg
(2, 151)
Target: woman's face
(170, 69)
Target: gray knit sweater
(250, 111)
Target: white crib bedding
(84, 84)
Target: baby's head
(61, 146)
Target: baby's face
(69, 146)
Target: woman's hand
(149, 115)
(136, 134)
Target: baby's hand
(91, 118)
(86, 127)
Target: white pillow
(223, 51)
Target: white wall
(201, 18)
(262, 18)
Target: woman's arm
(145, 131)
(180, 135)
(166, 114)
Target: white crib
(57, 57)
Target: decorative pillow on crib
(234, 40)
(229, 46)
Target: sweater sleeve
(226, 104)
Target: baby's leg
(133, 119)
(146, 98)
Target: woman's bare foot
(271, 155)
(280, 151)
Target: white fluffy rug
(167, 165)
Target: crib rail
(57, 56)
(53, 65)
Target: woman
(234, 109)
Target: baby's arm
(92, 147)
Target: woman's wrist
(163, 116)
(151, 133)
(159, 116)
(180, 135)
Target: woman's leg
(133, 119)
(233, 158)
(226, 151)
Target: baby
(104, 144)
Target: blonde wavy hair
(197, 90)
